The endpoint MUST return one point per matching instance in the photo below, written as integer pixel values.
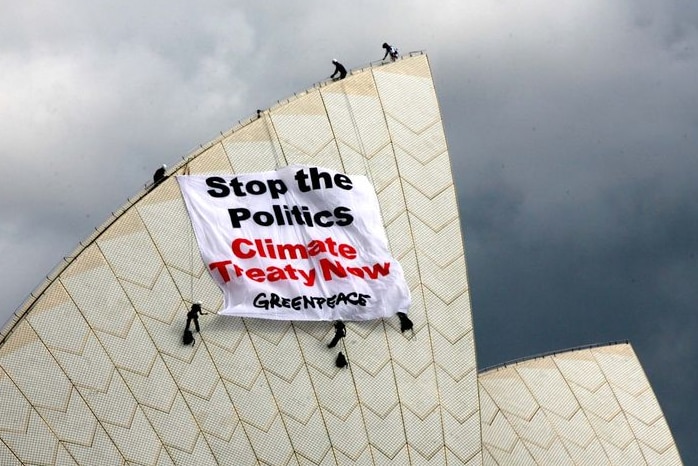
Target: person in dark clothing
(340, 331)
(390, 50)
(193, 315)
(159, 175)
(338, 70)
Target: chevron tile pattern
(585, 407)
(93, 371)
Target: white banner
(299, 243)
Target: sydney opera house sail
(587, 406)
(94, 370)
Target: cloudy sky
(571, 127)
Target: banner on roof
(299, 243)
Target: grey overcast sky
(572, 128)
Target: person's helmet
(198, 303)
(385, 45)
(334, 60)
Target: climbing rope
(192, 245)
(359, 139)
(270, 133)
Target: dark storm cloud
(576, 183)
(556, 289)
(571, 128)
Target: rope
(362, 148)
(267, 121)
(191, 250)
